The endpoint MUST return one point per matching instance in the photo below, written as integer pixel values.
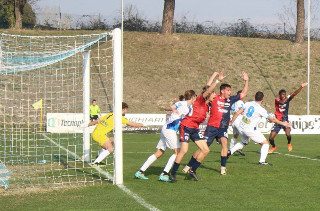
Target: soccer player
(234, 108)
(219, 120)
(282, 112)
(101, 132)
(252, 113)
(168, 137)
(94, 111)
(189, 127)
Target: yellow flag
(37, 105)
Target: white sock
(232, 142)
(148, 162)
(102, 155)
(236, 147)
(170, 163)
(264, 152)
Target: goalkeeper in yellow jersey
(102, 130)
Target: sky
(255, 11)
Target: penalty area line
(296, 156)
(108, 176)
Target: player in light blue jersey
(234, 108)
(168, 137)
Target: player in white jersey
(234, 108)
(252, 113)
(168, 137)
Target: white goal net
(46, 86)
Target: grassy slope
(158, 68)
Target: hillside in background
(158, 68)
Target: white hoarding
(70, 123)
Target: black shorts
(215, 133)
(276, 128)
(94, 117)
(187, 133)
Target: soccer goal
(47, 84)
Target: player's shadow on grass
(154, 170)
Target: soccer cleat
(223, 170)
(173, 178)
(97, 164)
(265, 164)
(139, 175)
(229, 154)
(241, 152)
(193, 175)
(186, 169)
(272, 149)
(164, 178)
(290, 147)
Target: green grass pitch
(292, 183)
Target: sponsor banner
(70, 123)
(154, 123)
(305, 124)
(65, 123)
(148, 119)
(301, 124)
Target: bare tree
(289, 16)
(300, 22)
(167, 19)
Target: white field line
(138, 198)
(108, 176)
(296, 156)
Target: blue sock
(195, 165)
(192, 160)
(175, 168)
(224, 160)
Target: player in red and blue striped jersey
(282, 113)
(189, 127)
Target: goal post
(47, 84)
(86, 104)
(118, 96)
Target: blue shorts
(276, 128)
(215, 133)
(187, 133)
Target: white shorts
(168, 138)
(236, 122)
(254, 135)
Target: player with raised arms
(219, 120)
(189, 127)
(282, 113)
